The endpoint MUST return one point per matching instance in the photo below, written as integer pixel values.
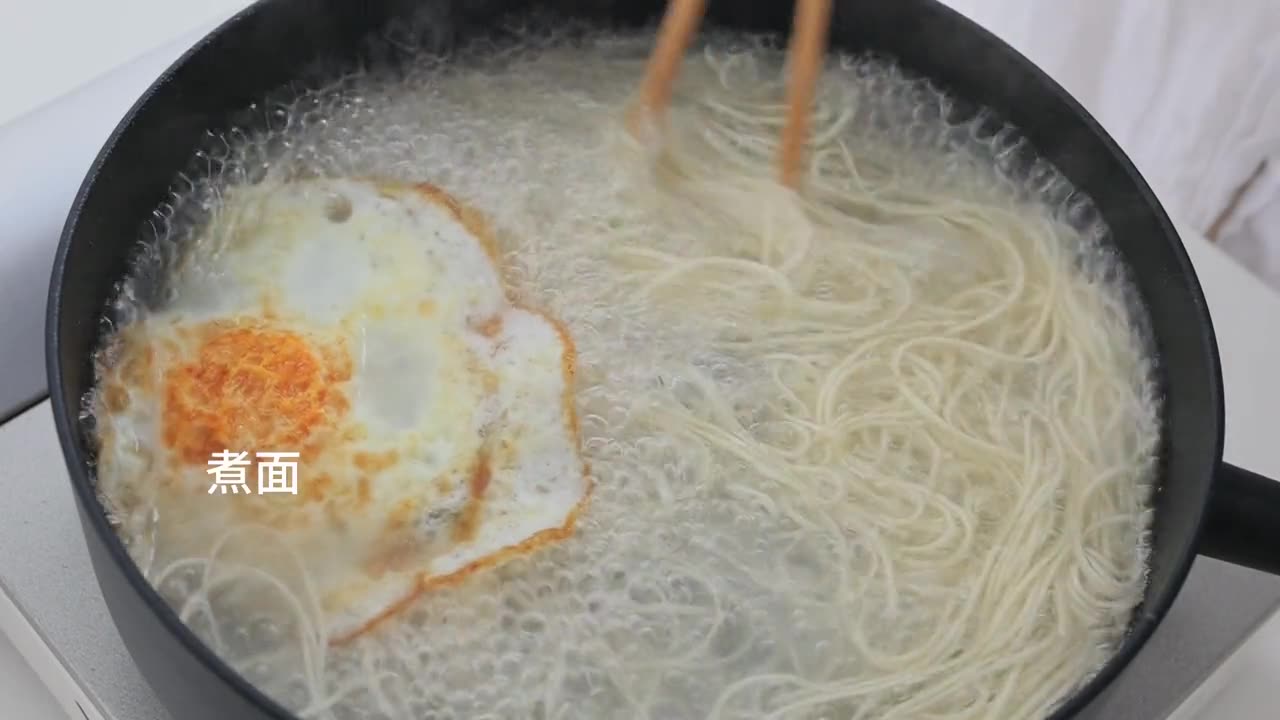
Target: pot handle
(1242, 521)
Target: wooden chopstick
(678, 26)
(805, 54)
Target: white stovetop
(50, 48)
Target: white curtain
(1189, 88)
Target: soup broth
(878, 449)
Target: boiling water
(881, 450)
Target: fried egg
(366, 327)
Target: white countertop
(50, 48)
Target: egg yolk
(248, 389)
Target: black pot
(276, 41)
